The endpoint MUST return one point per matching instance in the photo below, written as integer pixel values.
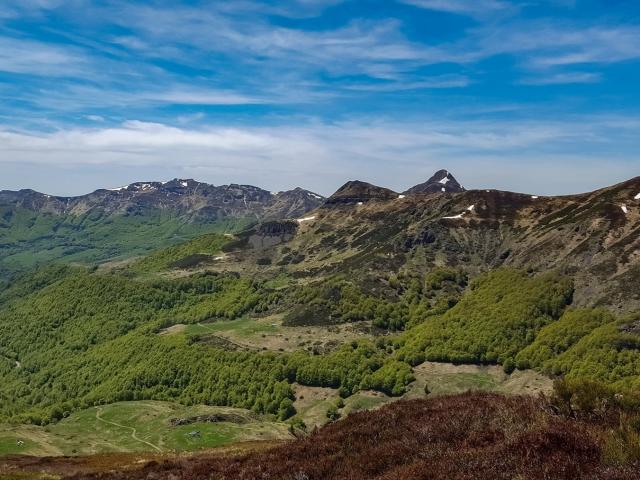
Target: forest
(73, 337)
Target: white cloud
(320, 156)
(563, 78)
(37, 58)
(435, 82)
(475, 8)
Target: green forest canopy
(84, 337)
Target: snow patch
(315, 196)
(637, 197)
(218, 258)
(460, 215)
(360, 203)
(184, 184)
(624, 209)
(443, 189)
(444, 180)
(401, 196)
(535, 197)
(306, 219)
(118, 189)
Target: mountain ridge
(595, 235)
(182, 194)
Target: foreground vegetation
(470, 436)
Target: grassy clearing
(268, 333)
(365, 400)
(312, 404)
(446, 378)
(242, 328)
(135, 427)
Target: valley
(259, 333)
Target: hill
(36, 228)
(592, 237)
(470, 436)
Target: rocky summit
(442, 181)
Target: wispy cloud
(321, 155)
(434, 82)
(474, 8)
(563, 78)
(38, 58)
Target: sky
(538, 96)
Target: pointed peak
(356, 191)
(442, 181)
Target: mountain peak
(441, 181)
(356, 191)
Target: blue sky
(535, 95)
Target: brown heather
(468, 436)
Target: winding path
(134, 432)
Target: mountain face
(132, 220)
(442, 181)
(594, 237)
(356, 192)
(200, 201)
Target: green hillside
(72, 338)
(29, 238)
(199, 251)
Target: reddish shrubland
(468, 436)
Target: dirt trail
(134, 432)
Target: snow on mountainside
(371, 228)
(442, 181)
(184, 196)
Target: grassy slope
(28, 238)
(200, 250)
(110, 428)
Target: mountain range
(140, 302)
(198, 201)
(592, 235)
(134, 219)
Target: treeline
(589, 344)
